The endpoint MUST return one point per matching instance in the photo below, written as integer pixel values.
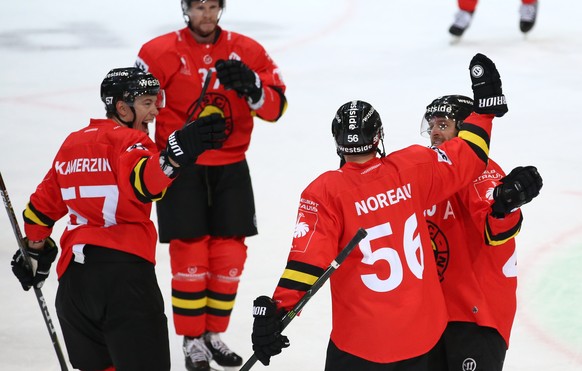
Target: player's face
(146, 109)
(441, 129)
(204, 17)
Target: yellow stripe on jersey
(140, 189)
(475, 139)
(297, 276)
(501, 238)
(137, 182)
(31, 216)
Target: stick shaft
(39, 296)
(360, 234)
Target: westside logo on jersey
(305, 225)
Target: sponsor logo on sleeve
(305, 225)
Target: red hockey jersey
(181, 65)
(386, 298)
(104, 177)
(475, 254)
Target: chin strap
(129, 124)
(382, 152)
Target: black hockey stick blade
(39, 296)
(360, 235)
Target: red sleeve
(478, 198)
(46, 206)
(455, 164)
(315, 241)
(140, 164)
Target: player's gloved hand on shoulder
(41, 261)
(486, 83)
(518, 188)
(266, 337)
(185, 145)
(238, 76)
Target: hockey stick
(39, 296)
(360, 234)
(200, 98)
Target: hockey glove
(41, 261)
(266, 337)
(185, 145)
(518, 188)
(238, 76)
(486, 84)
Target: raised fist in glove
(238, 76)
(185, 145)
(41, 260)
(266, 337)
(486, 83)
(518, 188)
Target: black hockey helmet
(186, 5)
(357, 128)
(454, 107)
(126, 84)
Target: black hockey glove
(41, 260)
(518, 188)
(238, 76)
(185, 145)
(266, 337)
(486, 84)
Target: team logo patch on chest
(440, 247)
(216, 103)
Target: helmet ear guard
(357, 128)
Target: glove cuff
(496, 105)
(170, 170)
(259, 101)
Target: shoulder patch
(441, 155)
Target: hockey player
(388, 308)
(209, 211)
(105, 177)
(473, 234)
(527, 16)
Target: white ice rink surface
(394, 54)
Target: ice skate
(527, 16)
(461, 23)
(197, 355)
(221, 353)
